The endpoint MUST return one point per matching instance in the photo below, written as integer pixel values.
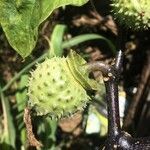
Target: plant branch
(111, 74)
(117, 138)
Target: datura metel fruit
(57, 87)
(134, 14)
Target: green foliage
(86, 37)
(8, 136)
(47, 133)
(20, 20)
(57, 40)
(21, 95)
(21, 100)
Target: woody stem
(111, 75)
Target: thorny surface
(87, 20)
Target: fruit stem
(117, 138)
(31, 138)
(111, 75)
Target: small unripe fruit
(134, 14)
(57, 87)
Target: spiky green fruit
(134, 14)
(57, 87)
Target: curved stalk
(111, 75)
(117, 138)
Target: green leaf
(47, 6)
(20, 20)
(56, 40)
(21, 99)
(47, 133)
(86, 37)
(21, 95)
(9, 136)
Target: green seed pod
(57, 86)
(134, 14)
